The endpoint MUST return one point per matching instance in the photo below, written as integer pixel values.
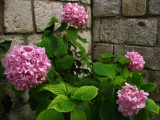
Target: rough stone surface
(146, 75)
(155, 95)
(96, 30)
(129, 31)
(154, 6)
(159, 32)
(134, 7)
(86, 1)
(35, 38)
(89, 20)
(44, 10)
(151, 54)
(103, 8)
(86, 35)
(101, 48)
(18, 16)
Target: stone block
(86, 2)
(89, 20)
(151, 54)
(154, 6)
(96, 30)
(87, 36)
(102, 8)
(35, 38)
(44, 10)
(18, 16)
(129, 31)
(134, 7)
(101, 48)
(155, 95)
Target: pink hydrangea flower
(137, 61)
(130, 100)
(26, 66)
(74, 14)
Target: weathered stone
(101, 48)
(86, 2)
(35, 38)
(154, 6)
(155, 95)
(70, 0)
(18, 16)
(1, 16)
(129, 31)
(22, 112)
(103, 8)
(159, 32)
(151, 55)
(87, 36)
(134, 7)
(89, 20)
(145, 75)
(44, 10)
(96, 30)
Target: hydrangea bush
(112, 88)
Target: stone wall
(125, 25)
(23, 21)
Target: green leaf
(104, 70)
(119, 80)
(62, 27)
(82, 49)
(5, 45)
(59, 89)
(50, 114)
(137, 79)
(142, 115)
(53, 43)
(62, 104)
(1, 70)
(124, 72)
(38, 44)
(78, 114)
(107, 55)
(51, 22)
(62, 46)
(124, 61)
(42, 106)
(148, 87)
(72, 34)
(82, 39)
(108, 110)
(151, 106)
(87, 62)
(64, 62)
(85, 93)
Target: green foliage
(72, 34)
(85, 93)
(148, 87)
(50, 114)
(151, 106)
(4, 46)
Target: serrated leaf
(62, 27)
(59, 89)
(51, 22)
(50, 114)
(85, 93)
(82, 49)
(64, 62)
(151, 106)
(72, 34)
(104, 70)
(124, 61)
(62, 46)
(78, 114)
(124, 72)
(148, 87)
(82, 39)
(119, 80)
(107, 55)
(62, 104)
(4, 46)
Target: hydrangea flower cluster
(74, 14)
(130, 100)
(26, 66)
(137, 61)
